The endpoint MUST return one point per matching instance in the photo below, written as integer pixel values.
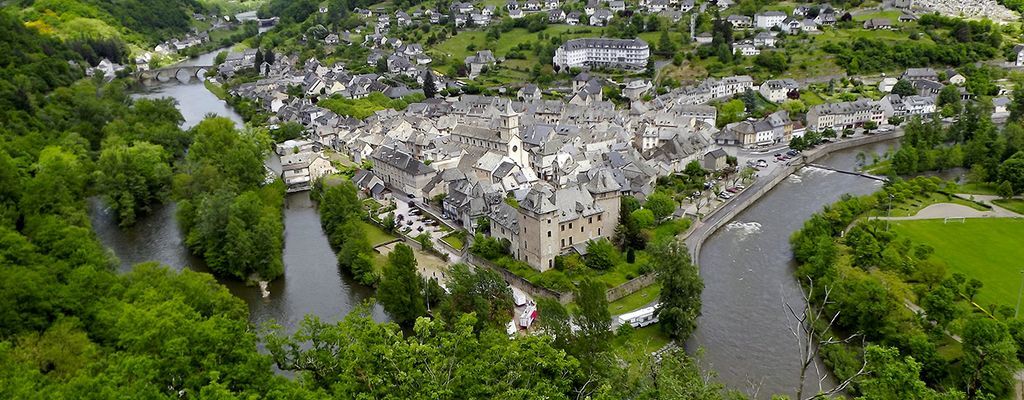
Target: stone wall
(630, 287)
(520, 282)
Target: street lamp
(1019, 291)
(888, 213)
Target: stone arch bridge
(183, 74)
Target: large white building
(769, 19)
(602, 52)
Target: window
(549, 233)
(598, 217)
(570, 240)
(581, 229)
(563, 228)
(563, 242)
(590, 220)
(570, 225)
(598, 231)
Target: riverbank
(696, 236)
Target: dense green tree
(359, 358)
(132, 178)
(482, 292)
(940, 306)
(681, 286)
(401, 288)
(429, 85)
(990, 358)
(1012, 170)
(593, 316)
(601, 254)
(904, 88)
(644, 218)
(895, 377)
(661, 205)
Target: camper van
(528, 316)
(639, 318)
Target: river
(312, 282)
(748, 269)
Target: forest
(861, 274)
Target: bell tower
(508, 129)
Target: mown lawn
(1015, 205)
(375, 235)
(986, 249)
(454, 240)
(635, 301)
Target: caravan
(639, 318)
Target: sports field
(988, 249)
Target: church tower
(508, 129)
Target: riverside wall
(721, 216)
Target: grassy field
(986, 249)
(1015, 205)
(911, 206)
(978, 188)
(646, 340)
(216, 89)
(635, 301)
(375, 235)
(454, 240)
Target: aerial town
(604, 199)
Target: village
(543, 169)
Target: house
(893, 105)
(400, 170)
(907, 17)
(772, 129)
(618, 5)
(528, 93)
(300, 170)
(955, 78)
(656, 6)
(704, 38)
(551, 4)
(600, 17)
(886, 84)
(848, 114)
(590, 8)
(740, 21)
(764, 39)
(602, 52)
(635, 89)
(477, 62)
(1000, 106)
(778, 90)
(920, 74)
(531, 5)
(511, 5)
(572, 18)
(331, 39)
(686, 5)
(515, 14)
(928, 88)
(1018, 51)
(769, 19)
(878, 23)
(556, 15)
(746, 49)
(715, 160)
